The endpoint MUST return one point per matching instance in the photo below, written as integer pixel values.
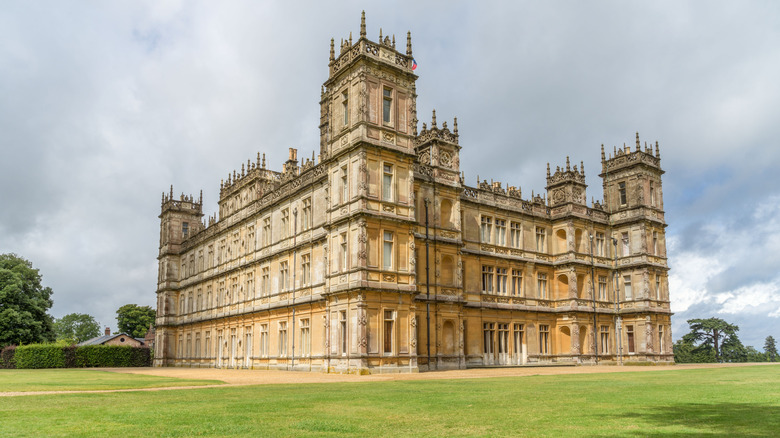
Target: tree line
(24, 306)
(715, 340)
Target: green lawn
(85, 380)
(723, 402)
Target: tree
(770, 348)
(714, 333)
(76, 327)
(23, 303)
(134, 319)
(686, 352)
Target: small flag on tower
(414, 64)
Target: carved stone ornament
(362, 319)
(445, 159)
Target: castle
(376, 256)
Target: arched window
(445, 214)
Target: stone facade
(376, 256)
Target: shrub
(39, 356)
(112, 356)
(7, 360)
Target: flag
(414, 64)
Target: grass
(718, 402)
(85, 380)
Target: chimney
(108, 331)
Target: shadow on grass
(712, 420)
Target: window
(387, 105)
(661, 341)
(248, 346)
(234, 295)
(489, 332)
(345, 105)
(541, 285)
(343, 331)
(264, 340)
(630, 336)
(305, 337)
(284, 274)
(181, 304)
(501, 281)
(344, 185)
(517, 282)
(250, 285)
(655, 242)
(306, 214)
(387, 253)
(487, 229)
(190, 303)
(500, 232)
(305, 269)
(544, 339)
(211, 256)
(599, 244)
(185, 230)
(189, 345)
(503, 338)
(387, 182)
(265, 282)
(209, 303)
(652, 194)
(515, 235)
(197, 345)
(221, 294)
(518, 337)
(624, 239)
(199, 302)
(282, 338)
(266, 231)
(285, 223)
(388, 333)
(602, 288)
(622, 193)
(487, 279)
(540, 239)
(250, 237)
(629, 293)
(208, 344)
(343, 247)
(604, 339)
(221, 253)
(657, 287)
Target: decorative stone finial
(548, 170)
(350, 38)
(657, 154)
(568, 168)
(332, 51)
(637, 141)
(363, 24)
(455, 126)
(433, 120)
(263, 160)
(171, 192)
(394, 41)
(582, 167)
(409, 43)
(603, 157)
(380, 35)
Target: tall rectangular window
(250, 285)
(661, 340)
(515, 235)
(197, 346)
(517, 282)
(185, 230)
(627, 287)
(344, 185)
(540, 240)
(655, 242)
(602, 288)
(248, 346)
(387, 251)
(208, 303)
(500, 232)
(266, 231)
(282, 338)
(501, 281)
(487, 279)
(305, 337)
(265, 282)
(306, 214)
(503, 338)
(541, 285)
(387, 105)
(264, 340)
(622, 193)
(657, 287)
(285, 223)
(305, 269)
(518, 339)
(207, 349)
(388, 331)
(344, 255)
(544, 339)
(489, 333)
(284, 276)
(387, 182)
(343, 331)
(599, 244)
(652, 194)
(604, 339)
(345, 107)
(630, 336)
(626, 246)
(487, 228)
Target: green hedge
(57, 356)
(7, 360)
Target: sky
(104, 105)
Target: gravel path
(262, 377)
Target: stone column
(648, 335)
(575, 338)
